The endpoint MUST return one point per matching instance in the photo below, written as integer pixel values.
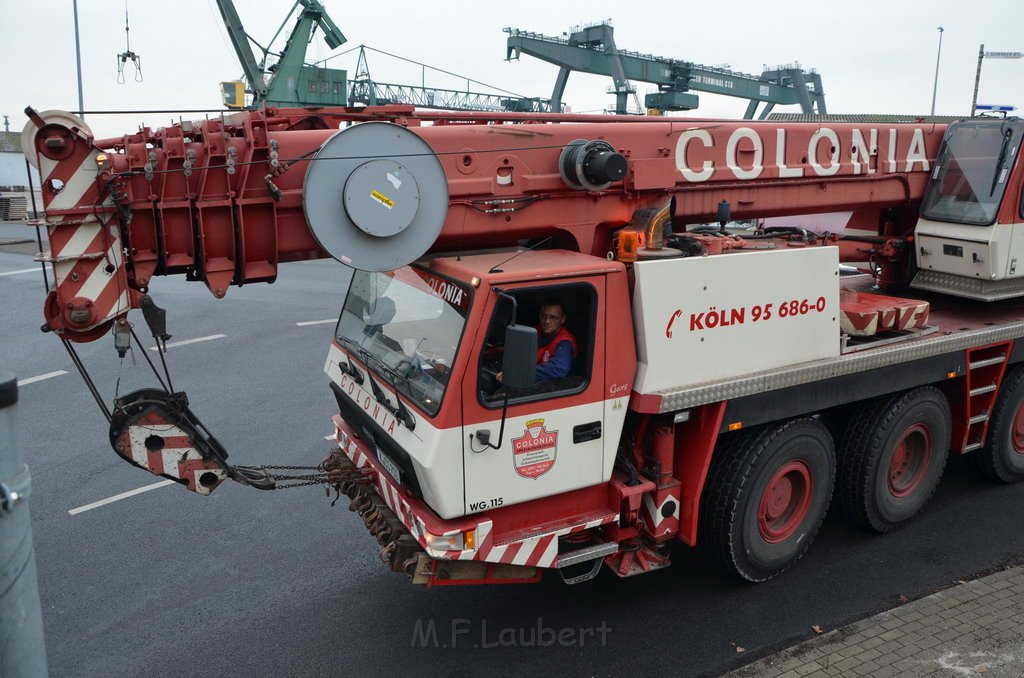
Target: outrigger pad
(156, 431)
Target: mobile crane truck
(725, 384)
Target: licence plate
(390, 466)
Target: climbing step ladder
(985, 367)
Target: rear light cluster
(460, 541)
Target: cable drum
(591, 165)
(375, 196)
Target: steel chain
(318, 467)
(319, 481)
(321, 478)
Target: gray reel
(375, 196)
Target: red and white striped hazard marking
(540, 550)
(655, 515)
(166, 450)
(864, 314)
(87, 262)
(536, 550)
(85, 241)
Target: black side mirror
(519, 364)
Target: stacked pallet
(13, 208)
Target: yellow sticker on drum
(382, 199)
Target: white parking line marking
(317, 322)
(119, 497)
(190, 341)
(330, 437)
(24, 270)
(48, 375)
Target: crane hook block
(157, 432)
(375, 196)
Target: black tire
(766, 494)
(892, 456)
(1002, 457)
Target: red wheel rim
(1018, 430)
(910, 460)
(785, 502)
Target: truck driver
(556, 345)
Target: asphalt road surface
(167, 583)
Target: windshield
(971, 173)
(405, 325)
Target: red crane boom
(227, 200)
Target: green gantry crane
(591, 49)
(364, 90)
(289, 82)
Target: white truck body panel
(434, 452)
(993, 252)
(538, 457)
(700, 319)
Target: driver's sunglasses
(550, 316)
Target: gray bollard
(22, 650)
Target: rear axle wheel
(892, 456)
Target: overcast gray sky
(874, 56)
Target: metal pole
(78, 59)
(35, 217)
(935, 87)
(977, 79)
(22, 650)
(31, 189)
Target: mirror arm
(484, 436)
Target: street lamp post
(977, 77)
(977, 80)
(935, 88)
(78, 59)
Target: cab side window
(564, 316)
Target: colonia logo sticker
(534, 452)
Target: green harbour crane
(290, 81)
(592, 49)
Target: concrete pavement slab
(971, 629)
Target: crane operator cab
(563, 317)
